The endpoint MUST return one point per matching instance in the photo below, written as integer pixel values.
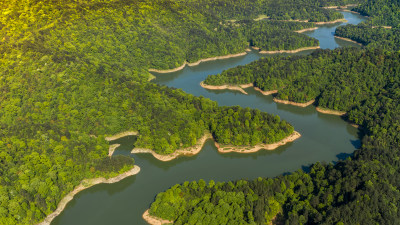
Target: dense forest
(338, 79)
(237, 126)
(371, 37)
(73, 72)
(381, 30)
(360, 190)
(381, 12)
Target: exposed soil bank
(330, 22)
(386, 27)
(121, 135)
(193, 150)
(198, 62)
(349, 40)
(340, 7)
(239, 87)
(227, 87)
(87, 183)
(266, 92)
(294, 103)
(251, 149)
(112, 148)
(290, 51)
(306, 29)
(154, 220)
(330, 111)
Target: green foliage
(361, 190)
(372, 37)
(75, 72)
(382, 12)
(338, 79)
(237, 126)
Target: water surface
(324, 138)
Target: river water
(324, 138)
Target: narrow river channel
(324, 138)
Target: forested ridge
(338, 79)
(362, 189)
(73, 72)
(381, 12)
(371, 37)
(381, 30)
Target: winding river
(324, 138)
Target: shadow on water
(127, 143)
(343, 156)
(356, 143)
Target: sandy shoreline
(239, 87)
(340, 7)
(251, 149)
(198, 62)
(306, 29)
(294, 103)
(386, 27)
(266, 92)
(290, 51)
(154, 220)
(330, 22)
(330, 111)
(120, 135)
(112, 148)
(193, 150)
(87, 183)
(226, 87)
(170, 70)
(349, 40)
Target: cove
(324, 138)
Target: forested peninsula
(381, 30)
(363, 189)
(75, 72)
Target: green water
(324, 138)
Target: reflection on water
(324, 138)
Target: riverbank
(294, 103)
(265, 92)
(112, 148)
(170, 70)
(198, 62)
(154, 220)
(340, 7)
(306, 29)
(121, 135)
(251, 149)
(226, 87)
(85, 184)
(330, 111)
(331, 22)
(189, 151)
(348, 39)
(239, 87)
(290, 51)
(386, 27)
